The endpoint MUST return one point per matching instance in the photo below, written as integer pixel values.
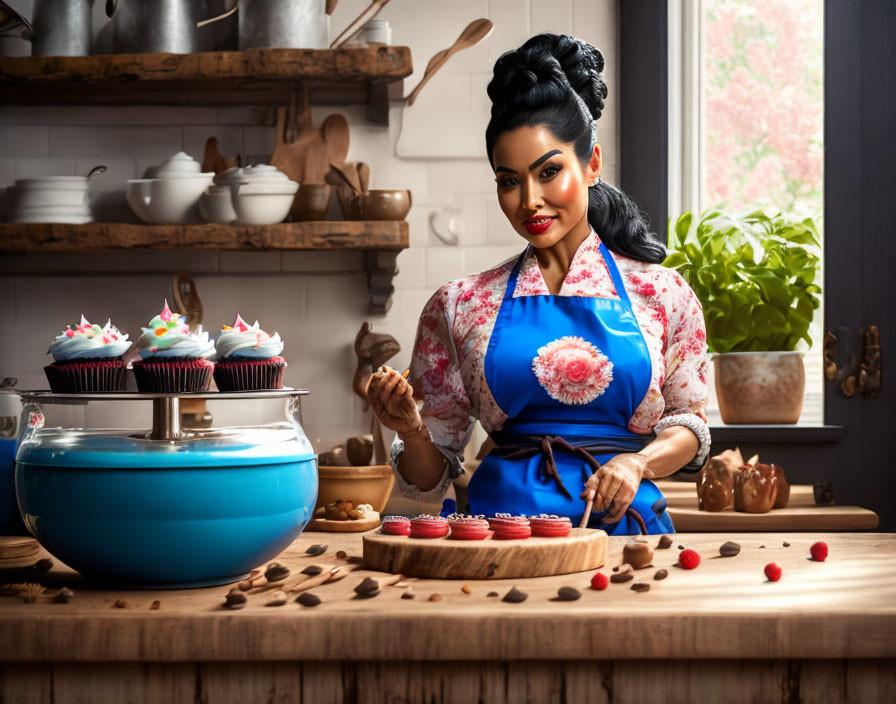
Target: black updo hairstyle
(555, 81)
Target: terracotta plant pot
(360, 485)
(760, 387)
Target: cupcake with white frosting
(248, 358)
(172, 358)
(87, 357)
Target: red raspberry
(819, 551)
(773, 572)
(688, 559)
(599, 581)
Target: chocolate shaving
(623, 575)
(316, 550)
(308, 599)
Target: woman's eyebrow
(535, 164)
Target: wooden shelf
(381, 241)
(255, 76)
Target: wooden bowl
(311, 202)
(384, 204)
(360, 485)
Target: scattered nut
(665, 543)
(493, 594)
(121, 604)
(729, 549)
(316, 550)
(466, 589)
(623, 575)
(312, 570)
(786, 544)
(341, 555)
(43, 565)
(568, 594)
(277, 599)
(308, 599)
(435, 597)
(276, 572)
(515, 596)
(640, 587)
(367, 588)
(64, 596)
(155, 606)
(761, 547)
(681, 547)
(661, 574)
(408, 593)
(235, 599)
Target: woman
(583, 358)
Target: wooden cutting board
(443, 558)
(802, 513)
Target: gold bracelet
(404, 436)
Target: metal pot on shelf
(61, 28)
(283, 24)
(167, 26)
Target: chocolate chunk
(665, 543)
(235, 599)
(786, 544)
(275, 572)
(681, 547)
(407, 595)
(823, 492)
(155, 606)
(515, 596)
(616, 568)
(308, 599)
(368, 587)
(568, 594)
(435, 597)
(277, 599)
(43, 565)
(729, 549)
(661, 574)
(315, 550)
(761, 547)
(121, 604)
(64, 596)
(623, 575)
(312, 570)
(341, 555)
(641, 587)
(493, 594)
(638, 555)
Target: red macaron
(545, 526)
(507, 527)
(468, 527)
(396, 525)
(429, 527)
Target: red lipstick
(539, 225)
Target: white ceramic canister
(169, 193)
(261, 195)
(374, 32)
(62, 199)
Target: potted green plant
(755, 277)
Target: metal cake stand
(166, 406)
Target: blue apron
(573, 369)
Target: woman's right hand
(392, 399)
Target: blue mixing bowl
(136, 513)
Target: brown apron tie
(546, 447)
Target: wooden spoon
(363, 176)
(472, 34)
(359, 22)
(336, 135)
(349, 174)
(331, 5)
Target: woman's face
(542, 187)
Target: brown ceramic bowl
(383, 204)
(360, 485)
(311, 202)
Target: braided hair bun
(547, 68)
(555, 81)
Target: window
(746, 122)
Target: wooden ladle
(472, 34)
(369, 13)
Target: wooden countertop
(842, 608)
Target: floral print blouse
(447, 363)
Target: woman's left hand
(614, 485)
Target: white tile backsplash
(315, 300)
